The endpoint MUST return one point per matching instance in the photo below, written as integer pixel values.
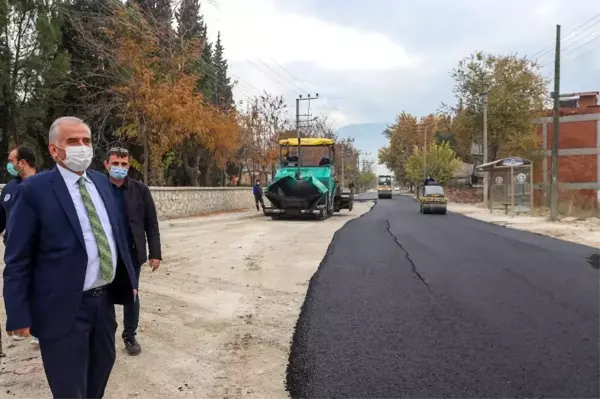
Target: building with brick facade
(578, 153)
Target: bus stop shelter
(510, 184)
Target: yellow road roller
(433, 200)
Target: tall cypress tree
(159, 10)
(191, 25)
(223, 92)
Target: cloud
(291, 54)
(256, 29)
(371, 60)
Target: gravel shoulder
(218, 316)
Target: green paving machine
(305, 184)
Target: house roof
(505, 163)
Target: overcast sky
(369, 60)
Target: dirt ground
(217, 317)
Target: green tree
(517, 94)
(158, 11)
(440, 162)
(403, 136)
(223, 91)
(33, 69)
(191, 25)
(446, 137)
(367, 179)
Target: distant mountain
(368, 137)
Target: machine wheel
(323, 215)
(443, 211)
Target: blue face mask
(11, 169)
(117, 172)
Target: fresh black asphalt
(406, 305)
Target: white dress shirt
(93, 277)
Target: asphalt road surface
(422, 306)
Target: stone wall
(176, 202)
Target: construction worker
(258, 195)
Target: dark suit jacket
(46, 260)
(143, 221)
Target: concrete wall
(175, 202)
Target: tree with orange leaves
(154, 90)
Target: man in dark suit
(136, 206)
(21, 164)
(67, 264)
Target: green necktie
(104, 251)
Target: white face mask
(78, 158)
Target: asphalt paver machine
(305, 184)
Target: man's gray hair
(54, 129)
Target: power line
(548, 49)
(306, 88)
(574, 49)
(572, 43)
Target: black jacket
(141, 214)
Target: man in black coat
(141, 222)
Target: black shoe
(132, 346)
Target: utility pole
(300, 98)
(298, 126)
(343, 159)
(555, 129)
(343, 156)
(485, 150)
(365, 160)
(425, 155)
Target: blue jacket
(46, 259)
(257, 191)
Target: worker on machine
(428, 181)
(324, 161)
